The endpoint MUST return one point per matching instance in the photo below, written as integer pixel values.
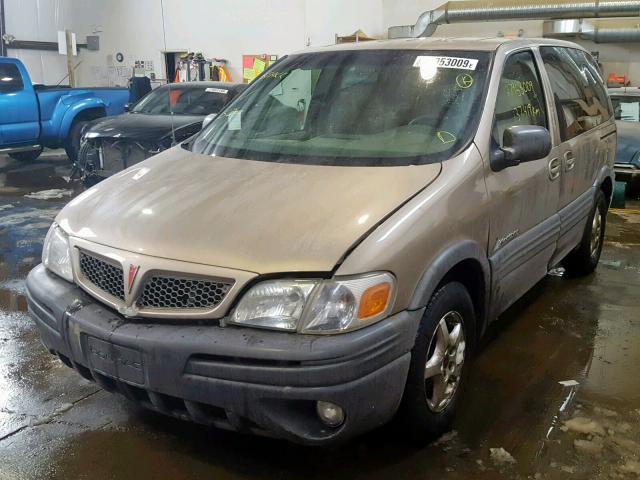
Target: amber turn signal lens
(374, 300)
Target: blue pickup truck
(33, 117)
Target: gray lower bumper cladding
(241, 379)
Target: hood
(262, 217)
(628, 141)
(141, 127)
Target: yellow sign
(259, 66)
(446, 137)
(248, 74)
(464, 80)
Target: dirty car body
(168, 115)
(333, 245)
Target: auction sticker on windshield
(447, 62)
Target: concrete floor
(54, 424)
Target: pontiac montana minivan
(325, 255)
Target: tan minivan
(326, 253)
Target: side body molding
(448, 258)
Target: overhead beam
(37, 45)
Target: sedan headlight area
(55, 253)
(317, 306)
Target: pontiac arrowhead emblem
(133, 271)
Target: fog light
(331, 414)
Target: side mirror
(208, 119)
(521, 143)
(127, 107)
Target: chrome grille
(106, 276)
(175, 292)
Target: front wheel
(584, 259)
(439, 363)
(72, 145)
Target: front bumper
(235, 378)
(626, 171)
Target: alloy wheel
(445, 358)
(596, 233)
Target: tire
(584, 259)
(421, 416)
(72, 145)
(29, 156)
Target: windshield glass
(626, 108)
(182, 100)
(378, 107)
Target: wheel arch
(607, 188)
(604, 182)
(85, 110)
(463, 262)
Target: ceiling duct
(596, 31)
(495, 10)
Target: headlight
(277, 304)
(55, 253)
(317, 306)
(635, 161)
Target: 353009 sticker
(448, 62)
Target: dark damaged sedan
(166, 116)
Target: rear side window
(578, 92)
(520, 98)
(10, 79)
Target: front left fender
(71, 112)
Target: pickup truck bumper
(242, 379)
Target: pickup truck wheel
(584, 259)
(26, 156)
(439, 364)
(72, 145)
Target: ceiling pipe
(495, 10)
(602, 31)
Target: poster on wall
(254, 65)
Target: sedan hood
(262, 217)
(139, 126)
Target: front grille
(106, 276)
(173, 292)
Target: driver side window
(520, 98)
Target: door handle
(554, 168)
(569, 161)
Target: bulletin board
(254, 65)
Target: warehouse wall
(230, 28)
(39, 20)
(222, 28)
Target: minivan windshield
(182, 100)
(365, 107)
